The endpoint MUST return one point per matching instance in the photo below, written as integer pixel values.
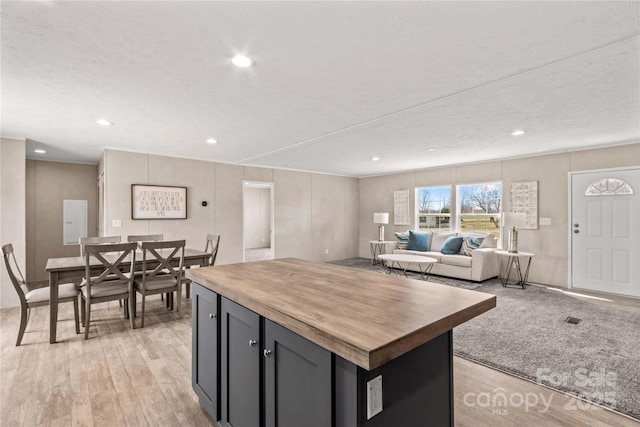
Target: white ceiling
(335, 83)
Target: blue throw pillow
(418, 241)
(452, 245)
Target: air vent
(572, 320)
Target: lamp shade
(381, 218)
(514, 219)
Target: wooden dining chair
(67, 292)
(108, 281)
(163, 271)
(213, 242)
(96, 241)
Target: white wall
(316, 216)
(549, 243)
(12, 211)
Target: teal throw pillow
(418, 241)
(452, 245)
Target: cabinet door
(205, 366)
(297, 380)
(240, 365)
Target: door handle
(576, 225)
(576, 231)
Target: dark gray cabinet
(251, 372)
(241, 373)
(205, 357)
(297, 380)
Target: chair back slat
(145, 238)
(97, 240)
(213, 242)
(163, 259)
(111, 257)
(13, 269)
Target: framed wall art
(524, 198)
(158, 202)
(401, 207)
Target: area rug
(527, 335)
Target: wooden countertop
(365, 317)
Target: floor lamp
(381, 218)
(513, 220)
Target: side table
(378, 248)
(511, 261)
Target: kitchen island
(291, 342)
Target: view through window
(479, 208)
(434, 208)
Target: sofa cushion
(438, 240)
(418, 241)
(452, 245)
(457, 260)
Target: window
(609, 187)
(479, 208)
(433, 208)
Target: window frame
(497, 215)
(418, 214)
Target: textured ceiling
(335, 83)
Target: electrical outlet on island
(374, 397)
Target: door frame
(270, 186)
(570, 211)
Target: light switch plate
(545, 221)
(116, 223)
(374, 397)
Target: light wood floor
(143, 377)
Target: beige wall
(48, 184)
(12, 212)
(549, 243)
(316, 216)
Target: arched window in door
(609, 187)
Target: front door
(605, 231)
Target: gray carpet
(597, 359)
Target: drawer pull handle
(252, 343)
(267, 353)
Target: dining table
(66, 269)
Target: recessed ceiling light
(39, 151)
(431, 149)
(375, 159)
(212, 141)
(242, 61)
(103, 122)
(518, 132)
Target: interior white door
(74, 221)
(605, 231)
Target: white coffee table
(425, 264)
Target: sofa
(476, 259)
